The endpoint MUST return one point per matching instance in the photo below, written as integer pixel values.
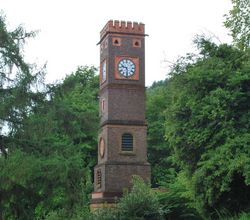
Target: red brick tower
(122, 150)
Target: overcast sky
(69, 29)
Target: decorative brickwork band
(122, 27)
(124, 122)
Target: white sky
(69, 29)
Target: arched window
(127, 142)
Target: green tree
(207, 125)
(238, 22)
(18, 95)
(173, 192)
(54, 150)
(176, 198)
(159, 152)
(17, 80)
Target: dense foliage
(51, 156)
(48, 150)
(204, 107)
(207, 125)
(158, 149)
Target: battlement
(122, 27)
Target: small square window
(116, 41)
(137, 43)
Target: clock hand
(126, 71)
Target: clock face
(126, 68)
(104, 73)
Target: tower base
(112, 178)
(104, 199)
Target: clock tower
(122, 147)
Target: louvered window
(99, 178)
(127, 142)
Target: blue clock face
(126, 68)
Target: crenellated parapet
(122, 27)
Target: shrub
(141, 203)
